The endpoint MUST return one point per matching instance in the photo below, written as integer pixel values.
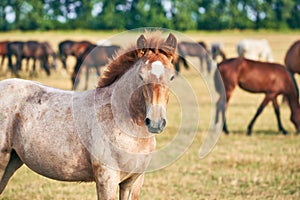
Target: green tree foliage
(128, 14)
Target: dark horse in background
(3, 52)
(272, 79)
(198, 50)
(216, 50)
(48, 50)
(72, 48)
(93, 57)
(292, 61)
(28, 50)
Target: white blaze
(157, 69)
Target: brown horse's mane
(126, 58)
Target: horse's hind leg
(2, 62)
(9, 164)
(258, 112)
(277, 113)
(220, 108)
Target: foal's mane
(126, 58)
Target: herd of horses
(91, 56)
(84, 52)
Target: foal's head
(155, 72)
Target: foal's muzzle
(155, 126)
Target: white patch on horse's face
(157, 69)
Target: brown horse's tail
(182, 57)
(219, 87)
(294, 82)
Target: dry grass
(264, 166)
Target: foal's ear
(141, 42)
(171, 43)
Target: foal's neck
(128, 101)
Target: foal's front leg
(130, 188)
(107, 181)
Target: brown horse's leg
(130, 189)
(201, 64)
(14, 163)
(2, 62)
(229, 87)
(277, 113)
(63, 59)
(221, 107)
(258, 112)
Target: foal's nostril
(163, 124)
(147, 121)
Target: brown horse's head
(156, 71)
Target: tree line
(128, 14)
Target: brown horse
(37, 51)
(43, 51)
(292, 61)
(106, 135)
(50, 52)
(94, 56)
(72, 48)
(198, 50)
(3, 52)
(27, 50)
(257, 77)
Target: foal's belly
(57, 162)
(48, 143)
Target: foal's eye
(172, 78)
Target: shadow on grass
(257, 132)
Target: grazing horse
(50, 52)
(28, 50)
(73, 48)
(95, 56)
(106, 135)
(255, 49)
(3, 52)
(257, 77)
(292, 61)
(36, 51)
(15, 48)
(198, 50)
(216, 50)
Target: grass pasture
(263, 166)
